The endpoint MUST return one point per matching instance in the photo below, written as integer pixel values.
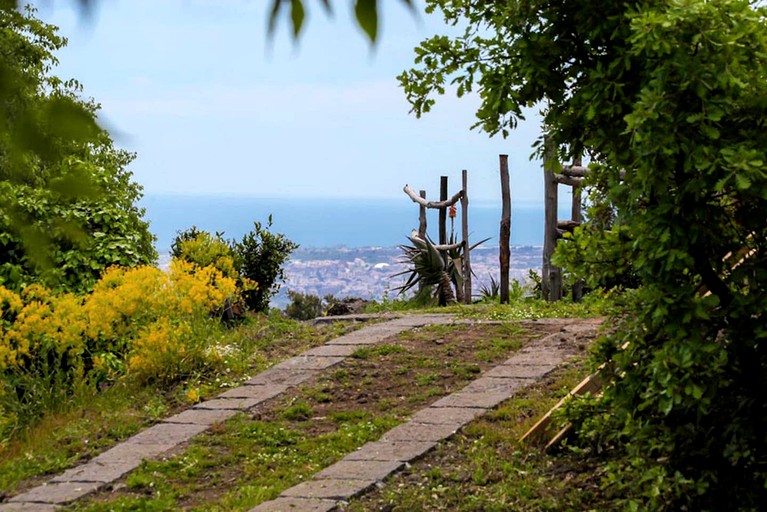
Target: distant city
(369, 272)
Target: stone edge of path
(377, 460)
(150, 443)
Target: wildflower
(193, 395)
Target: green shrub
(304, 306)
(204, 249)
(257, 260)
(262, 255)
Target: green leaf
(297, 15)
(742, 182)
(273, 15)
(366, 12)
(327, 6)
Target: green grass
(486, 468)
(300, 411)
(377, 351)
(261, 458)
(524, 308)
(79, 430)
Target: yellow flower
(193, 396)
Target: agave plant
(430, 268)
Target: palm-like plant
(429, 269)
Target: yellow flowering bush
(139, 324)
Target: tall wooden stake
(505, 250)
(442, 211)
(442, 223)
(422, 217)
(577, 217)
(551, 277)
(465, 229)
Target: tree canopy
(668, 98)
(67, 202)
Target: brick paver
(329, 489)
(283, 504)
(360, 470)
(29, 507)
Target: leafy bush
(304, 306)
(257, 261)
(669, 97)
(67, 203)
(184, 236)
(204, 249)
(262, 255)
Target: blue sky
(212, 107)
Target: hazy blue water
(329, 223)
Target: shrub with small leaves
(261, 255)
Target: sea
(320, 223)
(348, 247)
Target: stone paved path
(373, 462)
(166, 435)
(359, 470)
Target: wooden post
(505, 250)
(442, 223)
(577, 216)
(443, 211)
(422, 216)
(551, 277)
(465, 229)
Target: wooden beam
(431, 204)
(422, 215)
(567, 225)
(548, 239)
(567, 180)
(591, 384)
(577, 218)
(443, 210)
(551, 278)
(576, 170)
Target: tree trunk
(445, 290)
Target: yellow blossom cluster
(139, 319)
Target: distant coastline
(320, 223)
(347, 247)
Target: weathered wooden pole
(551, 276)
(422, 216)
(465, 228)
(577, 216)
(442, 224)
(505, 248)
(443, 211)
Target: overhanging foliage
(673, 93)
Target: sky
(212, 106)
